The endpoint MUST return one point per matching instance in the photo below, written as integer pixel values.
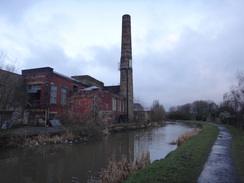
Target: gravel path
(220, 167)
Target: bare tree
(186, 108)
(199, 110)
(82, 114)
(81, 108)
(235, 98)
(172, 109)
(12, 96)
(157, 111)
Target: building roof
(89, 81)
(113, 89)
(90, 88)
(138, 106)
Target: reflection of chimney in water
(126, 75)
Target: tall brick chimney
(126, 75)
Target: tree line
(205, 110)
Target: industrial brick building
(97, 105)
(50, 95)
(47, 93)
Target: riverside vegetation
(40, 139)
(119, 171)
(186, 136)
(238, 149)
(72, 133)
(76, 132)
(182, 165)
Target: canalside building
(52, 96)
(47, 93)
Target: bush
(119, 171)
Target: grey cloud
(201, 64)
(104, 65)
(53, 56)
(15, 9)
(197, 68)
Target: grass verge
(182, 165)
(238, 149)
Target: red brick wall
(104, 103)
(46, 77)
(104, 100)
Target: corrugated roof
(90, 88)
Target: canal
(77, 162)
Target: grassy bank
(182, 165)
(238, 149)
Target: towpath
(220, 167)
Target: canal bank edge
(119, 127)
(17, 137)
(182, 165)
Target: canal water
(77, 162)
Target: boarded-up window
(33, 88)
(114, 104)
(119, 105)
(63, 95)
(53, 97)
(34, 95)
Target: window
(53, 97)
(33, 88)
(75, 88)
(34, 95)
(63, 95)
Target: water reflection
(75, 163)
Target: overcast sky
(182, 50)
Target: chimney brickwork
(126, 74)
